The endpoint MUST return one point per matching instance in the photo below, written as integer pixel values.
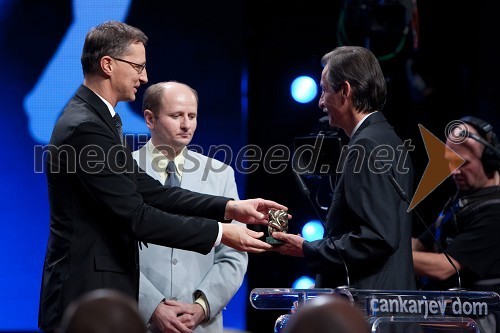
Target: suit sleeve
(149, 297)
(105, 170)
(226, 275)
(371, 216)
(177, 200)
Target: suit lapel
(147, 164)
(192, 172)
(374, 118)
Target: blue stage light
(312, 230)
(304, 89)
(303, 282)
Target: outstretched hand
(251, 211)
(243, 239)
(293, 244)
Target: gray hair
(358, 66)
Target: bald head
(103, 311)
(155, 94)
(171, 111)
(328, 314)
(456, 140)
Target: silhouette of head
(103, 311)
(328, 314)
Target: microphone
(305, 190)
(324, 119)
(405, 198)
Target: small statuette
(278, 221)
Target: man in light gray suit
(182, 290)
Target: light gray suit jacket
(177, 274)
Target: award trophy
(278, 221)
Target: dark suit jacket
(367, 221)
(101, 203)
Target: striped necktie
(118, 124)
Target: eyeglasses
(138, 67)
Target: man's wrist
(227, 212)
(203, 303)
(219, 234)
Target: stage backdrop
(241, 56)
(40, 43)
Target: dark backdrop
(241, 56)
(454, 59)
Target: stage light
(303, 89)
(303, 282)
(312, 230)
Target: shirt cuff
(201, 300)
(219, 235)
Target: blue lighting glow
(303, 282)
(31, 105)
(63, 74)
(313, 230)
(304, 89)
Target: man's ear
(346, 89)
(150, 119)
(106, 65)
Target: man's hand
(251, 211)
(172, 318)
(194, 310)
(293, 244)
(243, 239)
(416, 245)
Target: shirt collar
(110, 107)
(160, 161)
(360, 122)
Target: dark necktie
(172, 179)
(118, 124)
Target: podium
(392, 310)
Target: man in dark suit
(367, 224)
(101, 204)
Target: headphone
(491, 153)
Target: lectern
(392, 310)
